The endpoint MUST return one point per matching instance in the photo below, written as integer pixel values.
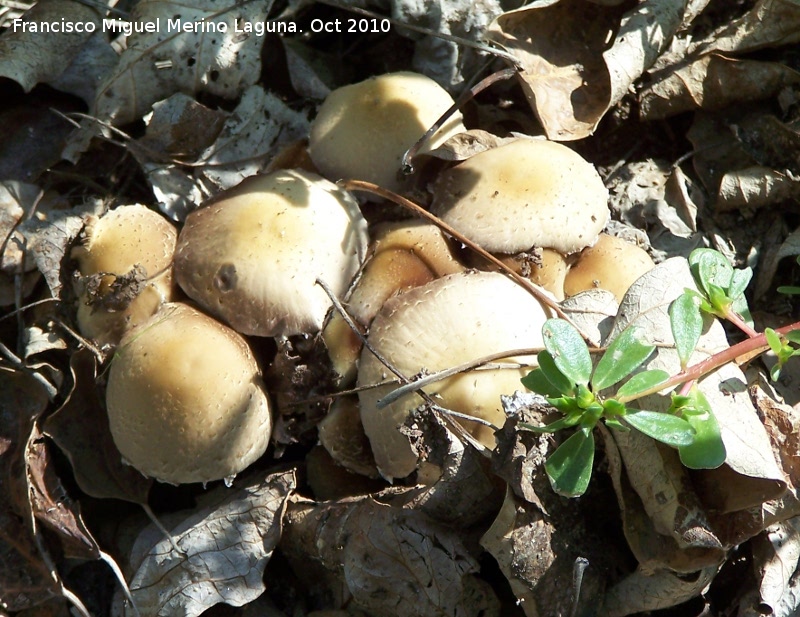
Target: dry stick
(369, 187)
(407, 164)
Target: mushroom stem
(369, 187)
(411, 153)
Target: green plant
(581, 391)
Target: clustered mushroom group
(185, 396)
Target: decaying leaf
(777, 555)
(393, 561)
(80, 429)
(156, 65)
(224, 546)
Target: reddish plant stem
(740, 323)
(709, 365)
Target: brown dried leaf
(224, 549)
(220, 63)
(713, 82)
(394, 561)
(25, 579)
(80, 429)
(464, 145)
(776, 553)
(51, 504)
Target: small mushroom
(125, 262)
(611, 264)
(185, 399)
(524, 195)
(363, 130)
(404, 254)
(452, 320)
(253, 255)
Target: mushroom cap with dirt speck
(611, 264)
(113, 246)
(252, 256)
(185, 399)
(527, 193)
(363, 130)
(450, 321)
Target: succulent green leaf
(566, 422)
(568, 349)
(641, 382)
(741, 308)
(773, 340)
(616, 424)
(710, 267)
(537, 381)
(793, 336)
(558, 380)
(739, 282)
(612, 407)
(707, 451)
(686, 321)
(666, 428)
(569, 468)
(622, 357)
(790, 290)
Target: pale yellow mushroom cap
(611, 264)
(527, 193)
(452, 320)
(116, 243)
(252, 257)
(363, 130)
(185, 399)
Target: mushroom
(253, 255)
(611, 264)
(185, 399)
(452, 320)
(363, 130)
(525, 194)
(405, 254)
(125, 262)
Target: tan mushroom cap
(611, 264)
(185, 399)
(363, 130)
(405, 254)
(527, 193)
(452, 320)
(252, 257)
(116, 243)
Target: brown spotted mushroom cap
(527, 193)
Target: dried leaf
(464, 145)
(777, 554)
(51, 504)
(30, 58)
(225, 548)
(156, 65)
(394, 562)
(181, 127)
(25, 579)
(80, 429)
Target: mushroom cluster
(185, 395)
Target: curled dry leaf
(777, 554)
(224, 546)
(25, 579)
(394, 561)
(222, 63)
(80, 429)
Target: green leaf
(641, 382)
(739, 282)
(741, 308)
(537, 381)
(616, 424)
(773, 340)
(662, 427)
(566, 422)
(707, 451)
(710, 267)
(622, 357)
(568, 349)
(569, 468)
(793, 336)
(686, 321)
(789, 290)
(560, 382)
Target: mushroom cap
(252, 257)
(452, 320)
(363, 130)
(527, 193)
(116, 243)
(185, 399)
(611, 264)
